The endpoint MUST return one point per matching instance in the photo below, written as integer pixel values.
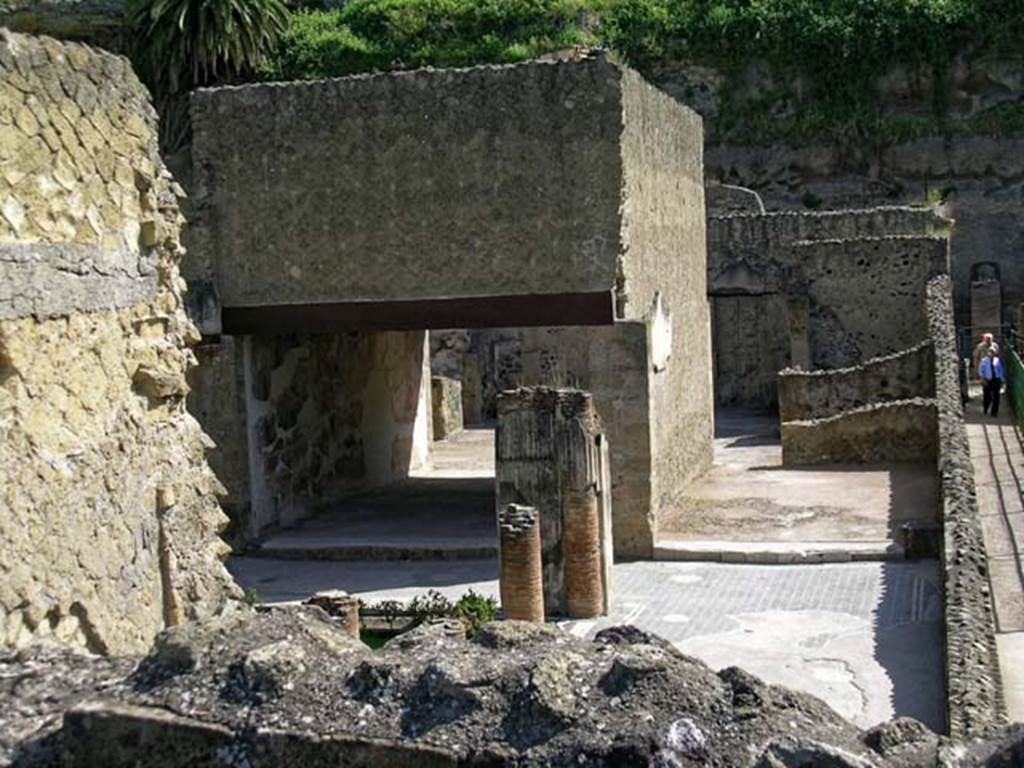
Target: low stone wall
(974, 693)
(818, 394)
(902, 431)
(109, 518)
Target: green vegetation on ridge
(825, 56)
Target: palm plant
(179, 45)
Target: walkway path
(998, 456)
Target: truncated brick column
(342, 606)
(549, 456)
(521, 578)
(584, 591)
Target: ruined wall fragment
(974, 695)
(899, 431)
(762, 272)
(109, 518)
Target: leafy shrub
(475, 611)
(472, 609)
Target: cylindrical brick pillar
(342, 606)
(584, 580)
(521, 578)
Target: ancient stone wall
(974, 695)
(216, 397)
(109, 518)
(482, 199)
(775, 291)
(818, 394)
(981, 175)
(666, 287)
(865, 296)
(899, 431)
(328, 414)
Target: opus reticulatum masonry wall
(109, 518)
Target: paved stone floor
(402, 520)
(998, 455)
(748, 507)
(865, 637)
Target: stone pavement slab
(1004, 576)
(1004, 534)
(759, 511)
(997, 453)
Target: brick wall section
(818, 394)
(973, 684)
(109, 518)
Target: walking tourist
(986, 343)
(990, 371)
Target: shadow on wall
(908, 642)
(914, 504)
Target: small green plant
(472, 609)
(475, 610)
(252, 597)
(432, 605)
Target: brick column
(342, 606)
(521, 577)
(584, 588)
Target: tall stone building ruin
(562, 196)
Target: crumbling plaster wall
(666, 275)
(109, 518)
(774, 299)
(328, 414)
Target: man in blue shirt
(990, 371)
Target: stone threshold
(778, 552)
